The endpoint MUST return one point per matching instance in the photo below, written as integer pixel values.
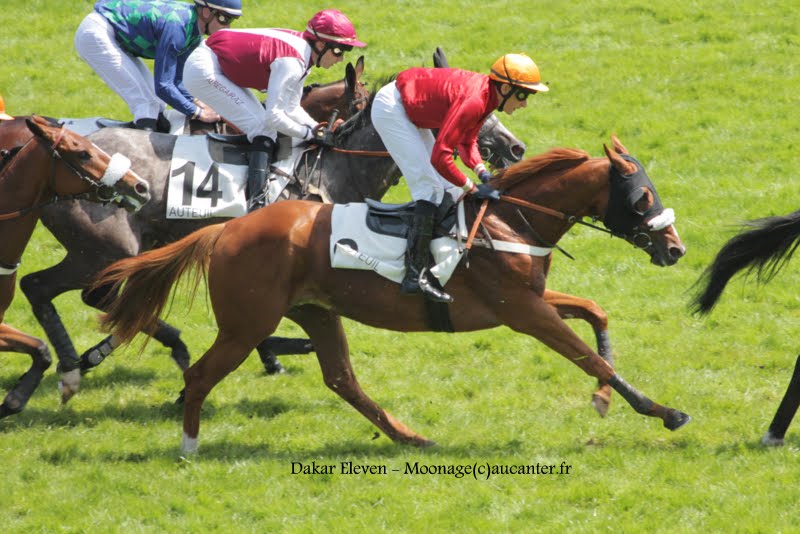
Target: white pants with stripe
(126, 75)
(410, 147)
(204, 79)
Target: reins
(571, 219)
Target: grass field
(704, 94)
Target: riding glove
(484, 191)
(484, 176)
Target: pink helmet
(332, 26)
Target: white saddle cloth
(354, 246)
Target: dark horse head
(622, 196)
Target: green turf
(705, 94)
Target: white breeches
(126, 75)
(410, 147)
(204, 79)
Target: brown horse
(55, 164)
(276, 262)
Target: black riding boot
(418, 255)
(162, 124)
(148, 125)
(260, 158)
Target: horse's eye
(84, 155)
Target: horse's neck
(23, 184)
(351, 177)
(575, 193)
(25, 179)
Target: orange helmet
(518, 70)
(3, 115)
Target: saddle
(395, 219)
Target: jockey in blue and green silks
(118, 33)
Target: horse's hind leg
(12, 340)
(570, 307)
(272, 347)
(325, 330)
(224, 356)
(786, 410)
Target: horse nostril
(142, 188)
(676, 252)
(518, 151)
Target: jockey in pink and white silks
(222, 71)
(456, 102)
(114, 37)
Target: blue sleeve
(168, 70)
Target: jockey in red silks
(456, 102)
(3, 115)
(222, 71)
(114, 37)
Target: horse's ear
(624, 167)
(36, 125)
(359, 67)
(439, 59)
(350, 78)
(618, 146)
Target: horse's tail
(764, 249)
(148, 280)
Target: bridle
(102, 190)
(638, 238)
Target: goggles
(340, 50)
(225, 19)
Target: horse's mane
(554, 161)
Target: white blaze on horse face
(117, 168)
(664, 219)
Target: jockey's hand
(320, 135)
(484, 176)
(208, 115)
(484, 191)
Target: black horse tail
(764, 249)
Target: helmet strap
(206, 22)
(505, 96)
(325, 47)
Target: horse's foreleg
(570, 307)
(326, 333)
(40, 289)
(12, 340)
(786, 410)
(537, 318)
(165, 334)
(272, 347)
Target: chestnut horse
(765, 249)
(276, 262)
(56, 164)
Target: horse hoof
(601, 404)
(771, 441)
(69, 384)
(676, 419)
(276, 369)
